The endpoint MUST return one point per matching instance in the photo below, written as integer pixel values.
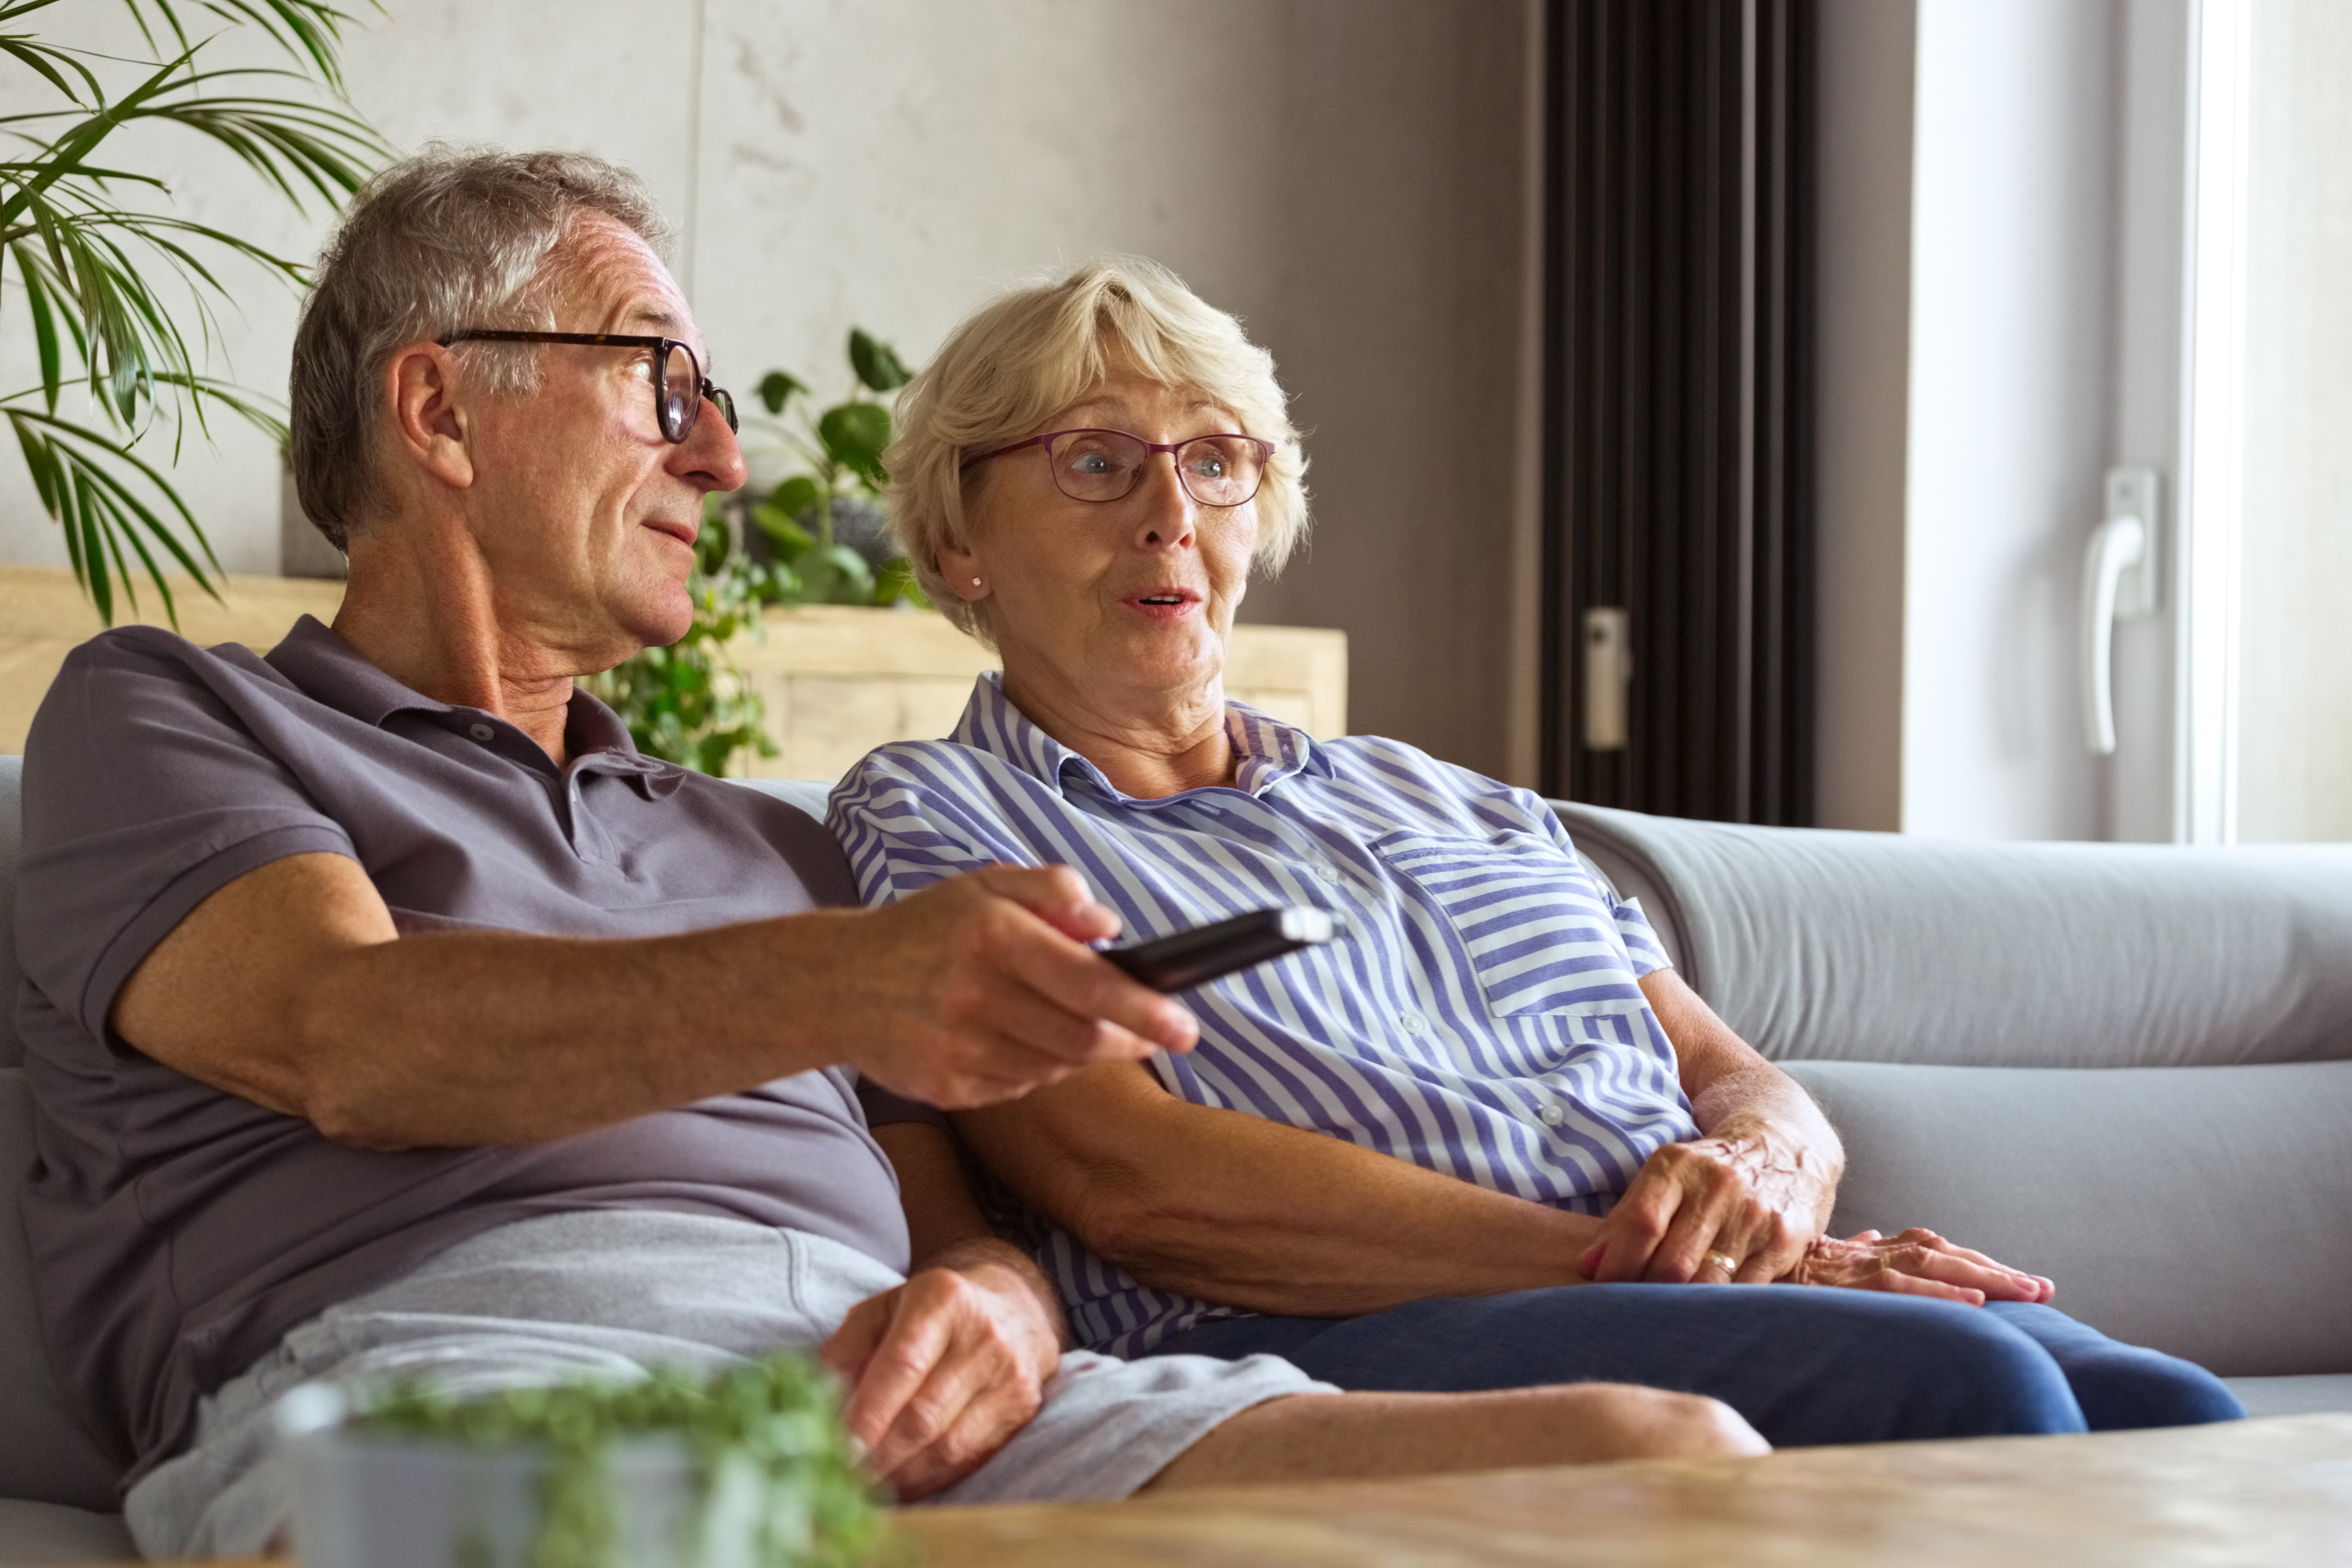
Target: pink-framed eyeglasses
(1107, 465)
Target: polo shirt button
(1412, 1023)
(481, 732)
(1328, 873)
(1553, 1115)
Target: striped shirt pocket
(1525, 918)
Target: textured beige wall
(1345, 174)
(2294, 760)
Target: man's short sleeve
(145, 792)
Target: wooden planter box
(838, 681)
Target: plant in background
(823, 525)
(92, 270)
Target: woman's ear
(963, 573)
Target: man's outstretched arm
(290, 988)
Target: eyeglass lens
(680, 398)
(1105, 464)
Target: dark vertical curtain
(1678, 398)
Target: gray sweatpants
(613, 1293)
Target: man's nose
(710, 457)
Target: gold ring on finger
(1723, 1260)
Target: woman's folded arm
(1239, 1210)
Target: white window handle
(2118, 579)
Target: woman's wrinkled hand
(1756, 1202)
(1916, 1263)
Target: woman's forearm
(1243, 1211)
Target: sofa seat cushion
(2200, 1210)
(51, 1533)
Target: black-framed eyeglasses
(1107, 465)
(679, 386)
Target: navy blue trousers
(1803, 1365)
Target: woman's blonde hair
(1031, 352)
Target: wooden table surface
(2271, 1493)
(2263, 1494)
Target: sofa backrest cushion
(45, 1454)
(1880, 947)
(2198, 1211)
(809, 794)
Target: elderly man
(387, 1013)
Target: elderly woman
(1487, 1140)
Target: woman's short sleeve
(907, 818)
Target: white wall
(1347, 174)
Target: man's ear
(430, 423)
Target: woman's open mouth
(1163, 603)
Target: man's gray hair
(452, 239)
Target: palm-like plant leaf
(309, 31)
(95, 273)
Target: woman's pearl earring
(975, 582)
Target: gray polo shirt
(178, 1231)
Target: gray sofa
(2128, 1068)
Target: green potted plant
(749, 1467)
(823, 524)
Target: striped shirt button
(1328, 873)
(1553, 1115)
(1412, 1023)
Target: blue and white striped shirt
(1479, 1015)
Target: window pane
(2295, 756)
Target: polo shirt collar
(316, 658)
(1270, 750)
